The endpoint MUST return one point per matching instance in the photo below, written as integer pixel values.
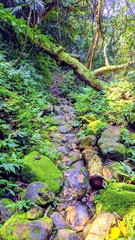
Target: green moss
(35, 213)
(117, 197)
(96, 127)
(47, 220)
(19, 227)
(43, 170)
(7, 231)
(36, 231)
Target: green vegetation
(117, 197)
(42, 169)
(46, 42)
(12, 229)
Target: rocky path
(71, 215)
(76, 205)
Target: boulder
(113, 150)
(39, 193)
(63, 150)
(77, 216)
(109, 144)
(58, 220)
(66, 234)
(18, 227)
(111, 134)
(87, 141)
(64, 129)
(40, 168)
(55, 120)
(100, 227)
(5, 212)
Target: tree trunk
(99, 31)
(113, 68)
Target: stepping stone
(64, 129)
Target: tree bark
(99, 31)
(105, 56)
(113, 68)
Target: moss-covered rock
(87, 141)
(113, 150)
(35, 213)
(18, 227)
(41, 168)
(109, 144)
(117, 197)
(5, 212)
(39, 193)
(93, 162)
(111, 134)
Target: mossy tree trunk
(19, 26)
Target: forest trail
(76, 197)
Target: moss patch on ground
(41, 168)
(117, 197)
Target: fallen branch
(112, 68)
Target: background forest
(73, 59)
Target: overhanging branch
(112, 68)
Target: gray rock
(63, 150)
(66, 234)
(111, 134)
(6, 213)
(58, 220)
(82, 214)
(39, 193)
(57, 110)
(64, 129)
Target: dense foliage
(95, 32)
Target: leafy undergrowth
(23, 94)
